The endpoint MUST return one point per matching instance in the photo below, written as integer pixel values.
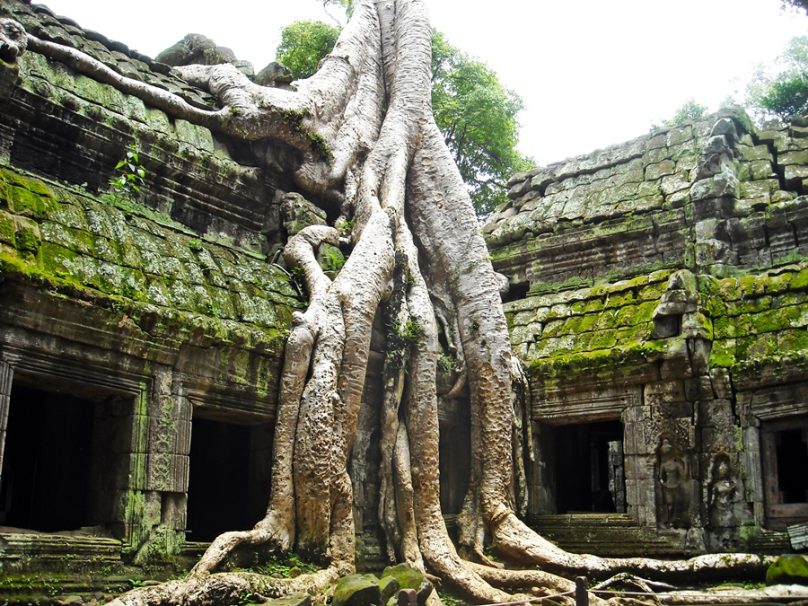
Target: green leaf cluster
(400, 339)
(783, 94)
(478, 118)
(689, 112)
(303, 44)
(477, 115)
(130, 173)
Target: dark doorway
(792, 465)
(228, 486)
(589, 472)
(515, 292)
(455, 455)
(784, 443)
(47, 479)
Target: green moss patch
(757, 318)
(788, 569)
(158, 275)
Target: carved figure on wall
(723, 492)
(671, 480)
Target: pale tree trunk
(366, 137)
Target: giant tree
(367, 141)
(476, 114)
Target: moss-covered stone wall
(661, 284)
(149, 273)
(154, 308)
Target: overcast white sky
(591, 72)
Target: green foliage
(689, 112)
(786, 97)
(478, 118)
(783, 94)
(400, 338)
(475, 112)
(131, 174)
(446, 363)
(345, 227)
(410, 334)
(282, 566)
(304, 44)
(447, 599)
(331, 260)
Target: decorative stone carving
(724, 500)
(723, 492)
(671, 477)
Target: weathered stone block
(660, 169)
(357, 590)
(791, 569)
(673, 183)
(761, 169)
(793, 173)
(720, 185)
(167, 472)
(752, 153)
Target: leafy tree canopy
(475, 112)
(785, 93)
(690, 111)
(304, 44)
(478, 119)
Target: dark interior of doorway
(589, 475)
(48, 480)
(228, 484)
(792, 463)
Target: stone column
(169, 434)
(6, 376)
(162, 522)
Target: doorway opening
(228, 486)
(785, 458)
(588, 470)
(60, 460)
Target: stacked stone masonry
(141, 333)
(658, 294)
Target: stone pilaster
(169, 434)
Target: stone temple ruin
(658, 295)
